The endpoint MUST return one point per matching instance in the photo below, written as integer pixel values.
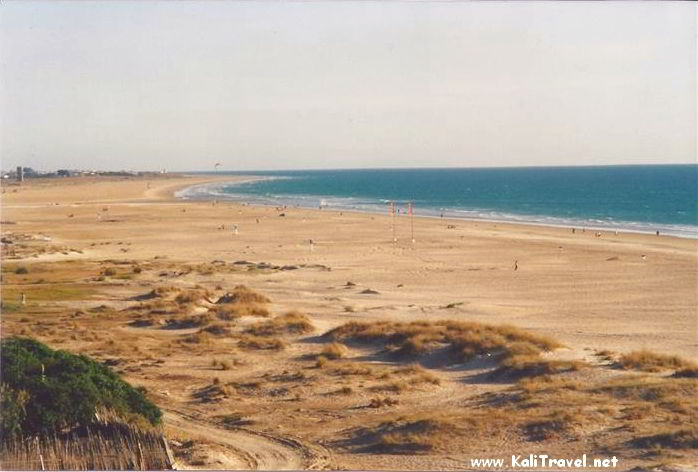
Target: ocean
(645, 198)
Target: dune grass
(460, 339)
(251, 342)
(218, 329)
(334, 351)
(233, 311)
(520, 366)
(243, 294)
(48, 292)
(416, 374)
(670, 438)
(290, 323)
(188, 297)
(192, 321)
(421, 432)
(649, 361)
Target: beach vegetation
(346, 390)
(48, 292)
(200, 337)
(233, 311)
(519, 366)
(649, 361)
(671, 438)
(334, 351)
(188, 297)
(217, 329)
(45, 390)
(417, 374)
(243, 294)
(411, 433)
(249, 341)
(351, 369)
(460, 340)
(292, 322)
(192, 321)
(379, 402)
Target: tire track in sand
(254, 449)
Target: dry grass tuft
(520, 366)
(194, 321)
(396, 387)
(353, 369)
(681, 438)
(242, 294)
(247, 341)
(648, 389)
(199, 337)
(217, 329)
(416, 433)
(157, 307)
(547, 384)
(462, 340)
(334, 351)
(652, 362)
(417, 374)
(379, 402)
(215, 392)
(189, 297)
(552, 426)
(292, 322)
(163, 291)
(233, 311)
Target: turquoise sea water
(636, 198)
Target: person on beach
(516, 265)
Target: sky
(146, 85)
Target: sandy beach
(614, 293)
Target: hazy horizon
(262, 86)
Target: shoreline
(524, 224)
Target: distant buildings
(22, 173)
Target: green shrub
(48, 390)
(21, 270)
